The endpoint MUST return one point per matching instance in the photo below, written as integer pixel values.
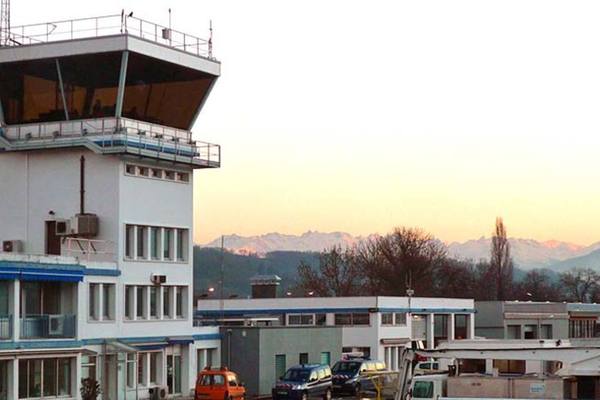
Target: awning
(121, 346)
(398, 341)
(153, 346)
(181, 340)
(34, 271)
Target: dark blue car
(304, 381)
(350, 376)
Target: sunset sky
(360, 116)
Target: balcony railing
(90, 249)
(47, 326)
(108, 25)
(113, 133)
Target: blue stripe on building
(247, 312)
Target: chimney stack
(265, 286)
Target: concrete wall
(253, 351)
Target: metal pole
(62, 89)
(82, 185)
(121, 89)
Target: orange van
(218, 384)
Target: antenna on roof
(4, 22)
(210, 37)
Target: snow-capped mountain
(308, 241)
(527, 253)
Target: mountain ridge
(527, 253)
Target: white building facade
(376, 327)
(96, 177)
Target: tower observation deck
(113, 84)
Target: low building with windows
(536, 320)
(262, 354)
(97, 162)
(376, 327)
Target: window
(129, 293)
(170, 175)
(387, 319)
(460, 326)
(154, 368)
(321, 373)
(343, 319)
(440, 327)
(182, 244)
(179, 302)
(141, 300)
(49, 377)
(513, 332)
(141, 367)
(510, 366)
(582, 327)
(530, 332)
(400, 318)
(130, 169)
(129, 240)
(183, 177)
(141, 242)
(93, 292)
(166, 302)
(157, 173)
(168, 244)
(423, 389)
(88, 367)
(546, 332)
(361, 319)
(326, 358)
(301, 319)
(321, 319)
(153, 302)
(108, 301)
(154, 243)
(143, 171)
(303, 358)
(280, 366)
(130, 370)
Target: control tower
(97, 163)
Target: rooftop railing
(109, 25)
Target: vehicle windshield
(212, 380)
(345, 367)
(297, 375)
(423, 390)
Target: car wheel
(357, 389)
(327, 395)
(304, 396)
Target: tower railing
(107, 25)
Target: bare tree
(501, 263)
(338, 274)
(579, 284)
(537, 286)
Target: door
(52, 240)
(174, 373)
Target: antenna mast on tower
(4, 22)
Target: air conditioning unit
(56, 325)
(63, 227)
(84, 225)
(158, 392)
(158, 279)
(12, 246)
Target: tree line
(411, 261)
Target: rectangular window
(170, 175)
(182, 244)
(460, 326)
(166, 301)
(303, 358)
(321, 319)
(530, 332)
(88, 367)
(157, 173)
(92, 301)
(153, 302)
(510, 366)
(129, 237)
(387, 319)
(546, 332)
(280, 366)
(141, 300)
(154, 243)
(130, 169)
(301, 319)
(129, 312)
(168, 244)
(141, 365)
(143, 171)
(130, 370)
(179, 302)
(108, 301)
(141, 242)
(183, 177)
(361, 319)
(400, 319)
(49, 384)
(440, 328)
(49, 377)
(154, 368)
(513, 332)
(343, 319)
(326, 358)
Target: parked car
(426, 367)
(304, 381)
(350, 376)
(218, 384)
